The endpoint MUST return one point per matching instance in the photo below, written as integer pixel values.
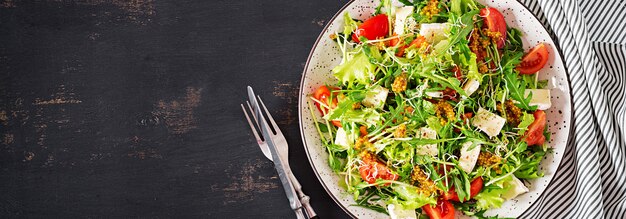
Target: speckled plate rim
(556, 43)
(300, 105)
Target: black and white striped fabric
(591, 182)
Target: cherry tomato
(372, 169)
(495, 23)
(396, 41)
(475, 186)
(443, 210)
(534, 134)
(362, 131)
(373, 28)
(418, 41)
(534, 60)
(322, 94)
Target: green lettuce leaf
(410, 198)
(527, 119)
(428, 71)
(335, 163)
(530, 165)
(461, 6)
(458, 31)
(367, 116)
(490, 197)
(516, 86)
(349, 25)
(472, 67)
(357, 69)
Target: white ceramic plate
(325, 55)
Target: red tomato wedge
(394, 41)
(401, 47)
(322, 94)
(418, 41)
(534, 134)
(494, 20)
(372, 169)
(534, 60)
(475, 186)
(362, 131)
(443, 210)
(373, 28)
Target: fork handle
(304, 199)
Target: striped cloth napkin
(591, 182)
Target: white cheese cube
(434, 94)
(398, 212)
(488, 122)
(469, 156)
(471, 86)
(342, 138)
(540, 98)
(376, 97)
(427, 149)
(403, 21)
(517, 188)
(434, 32)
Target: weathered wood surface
(113, 108)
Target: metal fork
(282, 147)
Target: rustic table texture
(130, 108)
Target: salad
(437, 109)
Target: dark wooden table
(130, 108)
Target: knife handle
(299, 213)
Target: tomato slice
(401, 47)
(534, 134)
(362, 131)
(534, 60)
(495, 23)
(418, 41)
(475, 186)
(372, 169)
(394, 41)
(322, 94)
(373, 28)
(443, 210)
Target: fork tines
(256, 123)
